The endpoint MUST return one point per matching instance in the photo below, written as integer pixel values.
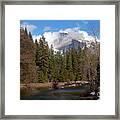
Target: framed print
(60, 60)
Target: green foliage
(26, 32)
(72, 65)
(28, 72)
(42, 59)
(30, 36)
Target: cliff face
(27, 58)
(73, 44)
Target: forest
(39, 63)
(71, 65)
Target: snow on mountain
(67, 38)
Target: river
(70, 93)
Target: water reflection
(71, 93)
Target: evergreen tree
(51, 70)
(26, 32)
(36, 43)
(74, 64)
(42, 59)
(69, 66)
(27, 58)
(30, 36)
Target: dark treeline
(75, 64)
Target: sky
(39, 27)
(76, 29)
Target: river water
(58, 94)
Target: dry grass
(36, 85)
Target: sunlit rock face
(69, 38)
(72, 44)
(65, 40)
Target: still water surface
(56, 94)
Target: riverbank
(66, 91)
(36, 85)
(50, 84)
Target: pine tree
(74, 64)
(26, 32)
(42, 59)
(30, 36)
(36, 43)
(51, 70)
(46, 61)
(27, 58)
(69, 66)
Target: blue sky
(39, 27)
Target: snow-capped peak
(65, 37)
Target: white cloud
(51, 37)
(47, 28)
(64, 37)
(36, 37)
(29, 27)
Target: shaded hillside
(27, 57)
